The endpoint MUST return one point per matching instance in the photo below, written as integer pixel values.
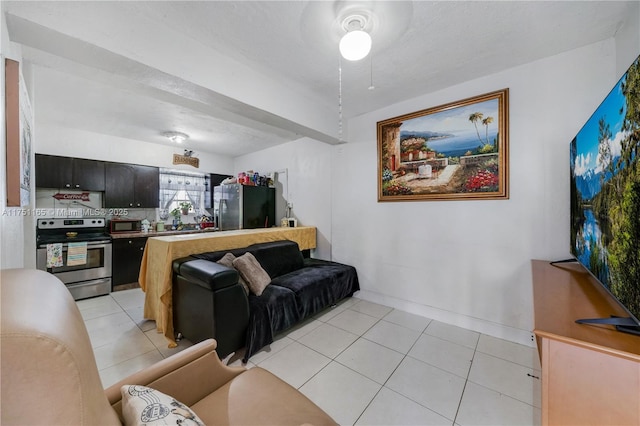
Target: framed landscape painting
(457, 151)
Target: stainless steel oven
(89, 277)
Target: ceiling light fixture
(176, 137)
(356, 43)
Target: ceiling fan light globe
(355, 45)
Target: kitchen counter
(160, 233)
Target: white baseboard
(500, 331)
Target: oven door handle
(91, 246)
(98, 244)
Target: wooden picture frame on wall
(19, 134)
(457, 151)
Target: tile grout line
(361, 336)
(534, 370)
(155, 348)
(404, 356)
(334, 358)
(466, 380)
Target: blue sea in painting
(455, 146)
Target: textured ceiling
(211, 68)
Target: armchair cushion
(250, 270)
(145, 406)
(49, 374)
(257, 397)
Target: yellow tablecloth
(156, 269)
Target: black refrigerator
(239, 206)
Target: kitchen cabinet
(130, 185)
(126, 259)
(69, 173)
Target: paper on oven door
(76, 254)
(54, 255)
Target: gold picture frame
(456, 151)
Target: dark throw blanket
(294, 297)
(299, 288)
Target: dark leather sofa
(209, 302)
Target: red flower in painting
(483, 181)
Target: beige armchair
(49, 374)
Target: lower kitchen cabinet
(127, 256)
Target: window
(177, 186)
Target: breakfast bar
(156, 274)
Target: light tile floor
(363, 363)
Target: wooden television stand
(590, 373)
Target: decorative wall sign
(450, 152)
(184, 159)
(72, 197)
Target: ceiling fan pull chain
(371, 86)
(340, 100)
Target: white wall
(308, 168)
(468, 262)
(628, 39)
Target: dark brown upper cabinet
(69, 173)
(131, 185)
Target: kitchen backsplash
(53, 203)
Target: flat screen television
(605, 198)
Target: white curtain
(172, 182)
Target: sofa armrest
(188, 376)
(177, 262)
(207, 274)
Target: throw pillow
(227, 260)
(145, 406)
(249, 268)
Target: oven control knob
(50, 222)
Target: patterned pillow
(249, 268)
(227, 260)
(145, 406)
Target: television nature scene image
(605, 192)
